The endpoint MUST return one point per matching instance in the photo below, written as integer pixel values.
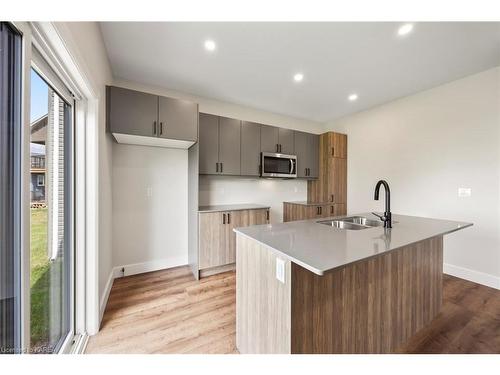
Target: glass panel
(10, 151)
(276, 165)
(51, 248)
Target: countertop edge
(236, 208)
(321, 273)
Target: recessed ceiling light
(210, 45)
(353, 97)
(405, 29)
(298, 77)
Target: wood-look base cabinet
(297, 211)
(371, 306)
(217, 240)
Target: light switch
(280, 270)
(464, 192)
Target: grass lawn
(39, 278)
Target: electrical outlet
(464, 192)
(149, 192)
(280, 270)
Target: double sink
(352, 223)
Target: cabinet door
(212, 239)
(269, 138)
(132, 112)
(301, 150)
(250, 149)
(285, 140)
(339, 209)
(313, 155)
(234, 219)
(338, 145)
(229, 146)
(178, 119)
(209, 144)
(337, 180)
(257, 217)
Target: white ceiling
(254, 63)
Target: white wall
(149, 207)
(232, 190)
(427, 146)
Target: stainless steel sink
(352, 223)
(363, 221)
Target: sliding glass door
(10, 157)
(51, 207)
(36, 302)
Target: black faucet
(387, 217)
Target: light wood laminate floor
(170, 312)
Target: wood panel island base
(370, 305)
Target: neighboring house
(38, 161)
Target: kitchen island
(314, 287)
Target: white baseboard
(471, 275)
(155, 265)
(105, 296)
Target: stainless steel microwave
(278, 165)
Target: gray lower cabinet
(219, 145)
(229, 146)
(250, 149)
(132, 112)
(285, 141)
(209, 144)
(307, 151)
(178, 119)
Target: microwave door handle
(291, 166)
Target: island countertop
(320, 248)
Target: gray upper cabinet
(285, 140)
(301, 143)
(274, 139)
(209, 144)
(250, 149)
(132, 112)
(307, 151)
(269, 138)
(229, 146)
(178, 119)
(313, 155)
(173, 122)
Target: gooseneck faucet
(387, 217)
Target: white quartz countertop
(232, 207)
(321, 248)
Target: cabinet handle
(308, 171)
(161, 128)
(221, 165)
(229, 218)
(154, 127)
(321, 210)
(333, 151)
(217, 167)
(332, 198)
(280, 148)
(267, 215)
(305, 171)
(223, 218)
(277, 148)
(331, 210)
